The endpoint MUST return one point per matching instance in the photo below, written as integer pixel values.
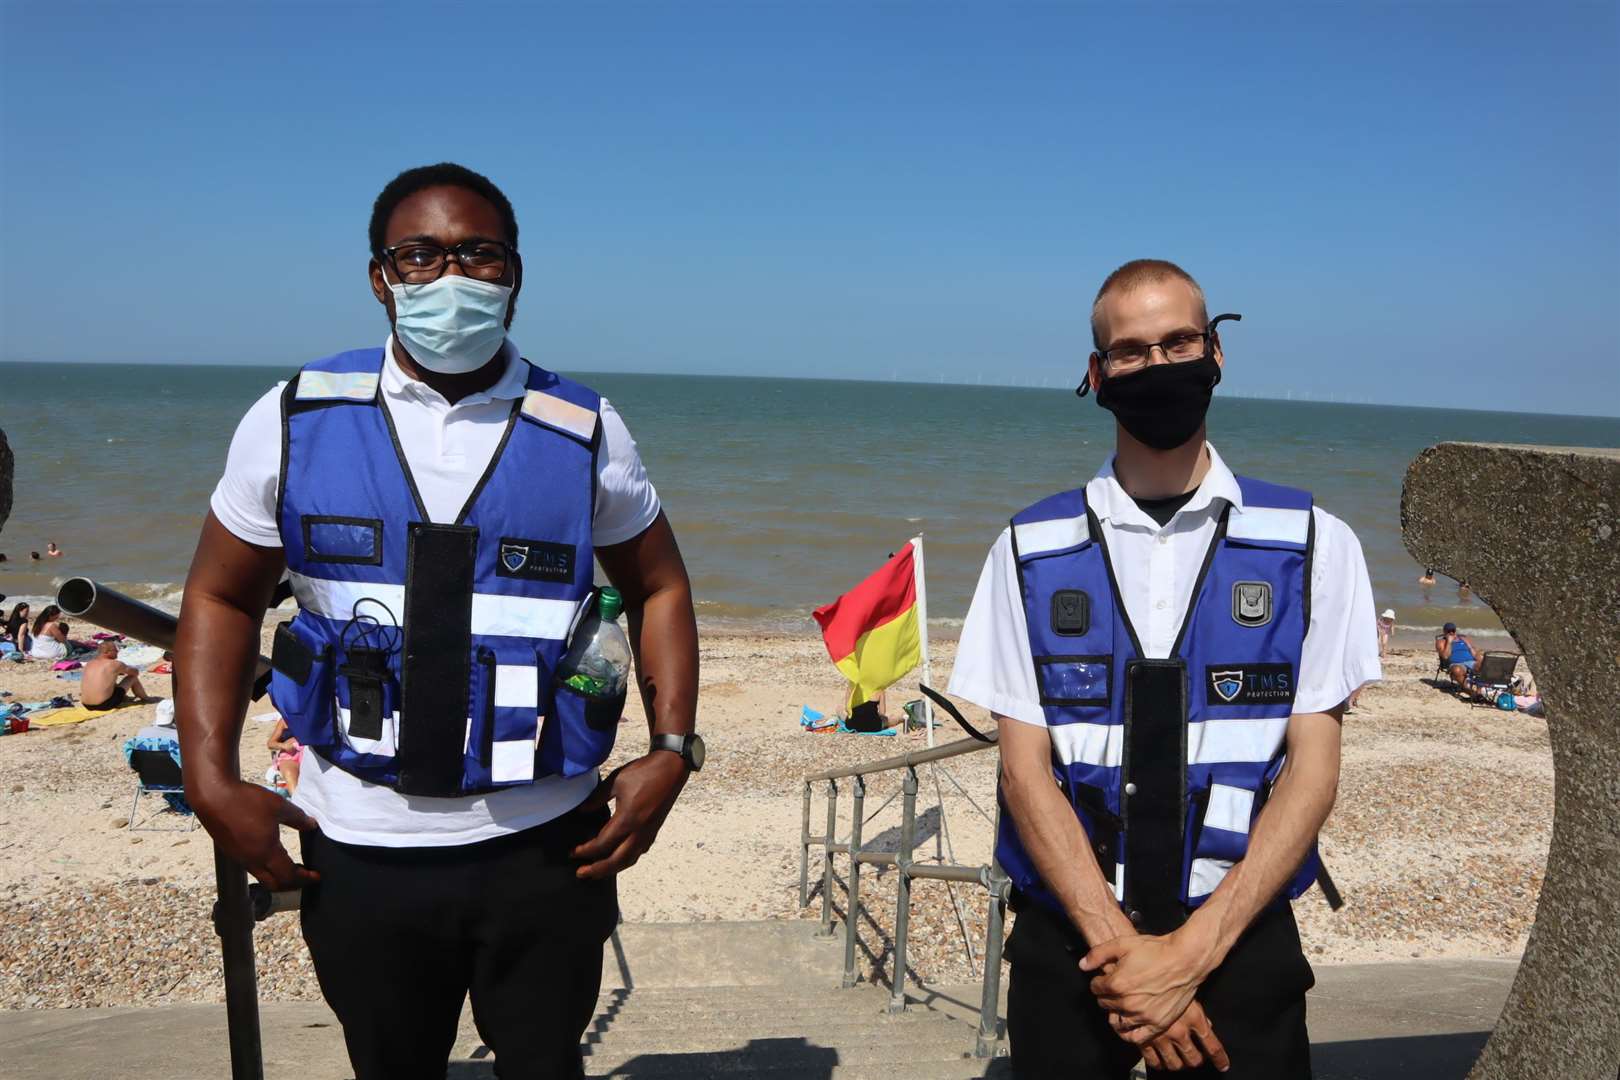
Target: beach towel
(139, 655)
(78, 714)
(66, 665)
(162, 667)
(819, 723)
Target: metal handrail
(987, 875)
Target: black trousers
(400, 936)
(1255, 1001)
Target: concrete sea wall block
(1535, 531)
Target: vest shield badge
(1251, 603)
(513, 556)
(1226, 684)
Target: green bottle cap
(609, 603)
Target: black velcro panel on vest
(1155, 760)
(437, 668)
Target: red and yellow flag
(872, 630)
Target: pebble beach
(1438, 840)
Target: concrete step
(943, 1040)
(963, 1070)
(779, 953)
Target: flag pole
(922, 631)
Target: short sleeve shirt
(447, 447)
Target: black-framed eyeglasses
(417, 262)
(1177, 349)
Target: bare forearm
(1056, 842)
(1282, 836)
(215, 658)
(664, 633)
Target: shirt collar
(512, 384)
(1108, 499)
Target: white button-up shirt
(1157, 567)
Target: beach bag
(1505, 702)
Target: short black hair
(444, 174)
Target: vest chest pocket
(579, 731)
(352, 540)
(1074, 680)
(302, 685)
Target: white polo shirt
(1157, 568)
(448, 447)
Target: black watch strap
(680, 744)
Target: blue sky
(1416, 204)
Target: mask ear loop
(1209, 342)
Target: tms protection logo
(1251, 684)
(536, 560)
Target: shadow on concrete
(785, 1058)
(1432, 1057)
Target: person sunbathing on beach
(108, 681)
(50, 641)
(17, 631)
(1457, 652)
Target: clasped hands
(1146, 983)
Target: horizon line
(1311, 400)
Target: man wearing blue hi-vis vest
(436, 505)
(1167, 651)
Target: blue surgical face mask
(453, 325)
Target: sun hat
(1389, 613)
(165, 713)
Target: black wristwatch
(690, 747)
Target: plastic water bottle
(597, 663)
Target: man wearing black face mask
(1167, 651)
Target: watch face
(695, 751)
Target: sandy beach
(1438, 841)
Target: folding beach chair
(1494, 671)
(158, 773)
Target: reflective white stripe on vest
(350, 385)
(383, 747)
(493, 614)
(1269, 523)
(1206, 874)
(1089, 744)
(1119, 882)
(517, 686)
(513, 759)
(1210, 742)
(559, 413)
(1229, 808)
(1035, 537)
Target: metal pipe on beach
(234, 907)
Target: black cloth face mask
(1163, 405)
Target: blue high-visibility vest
(1166, 762)
(422, 654)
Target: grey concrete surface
(1420, 1019)
(1536, 532)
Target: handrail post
(826, 859)
(804, 850)
(994, 939)
(852, 903)
(902, 889)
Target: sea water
(783, 492)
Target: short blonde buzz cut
(1133, 275)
